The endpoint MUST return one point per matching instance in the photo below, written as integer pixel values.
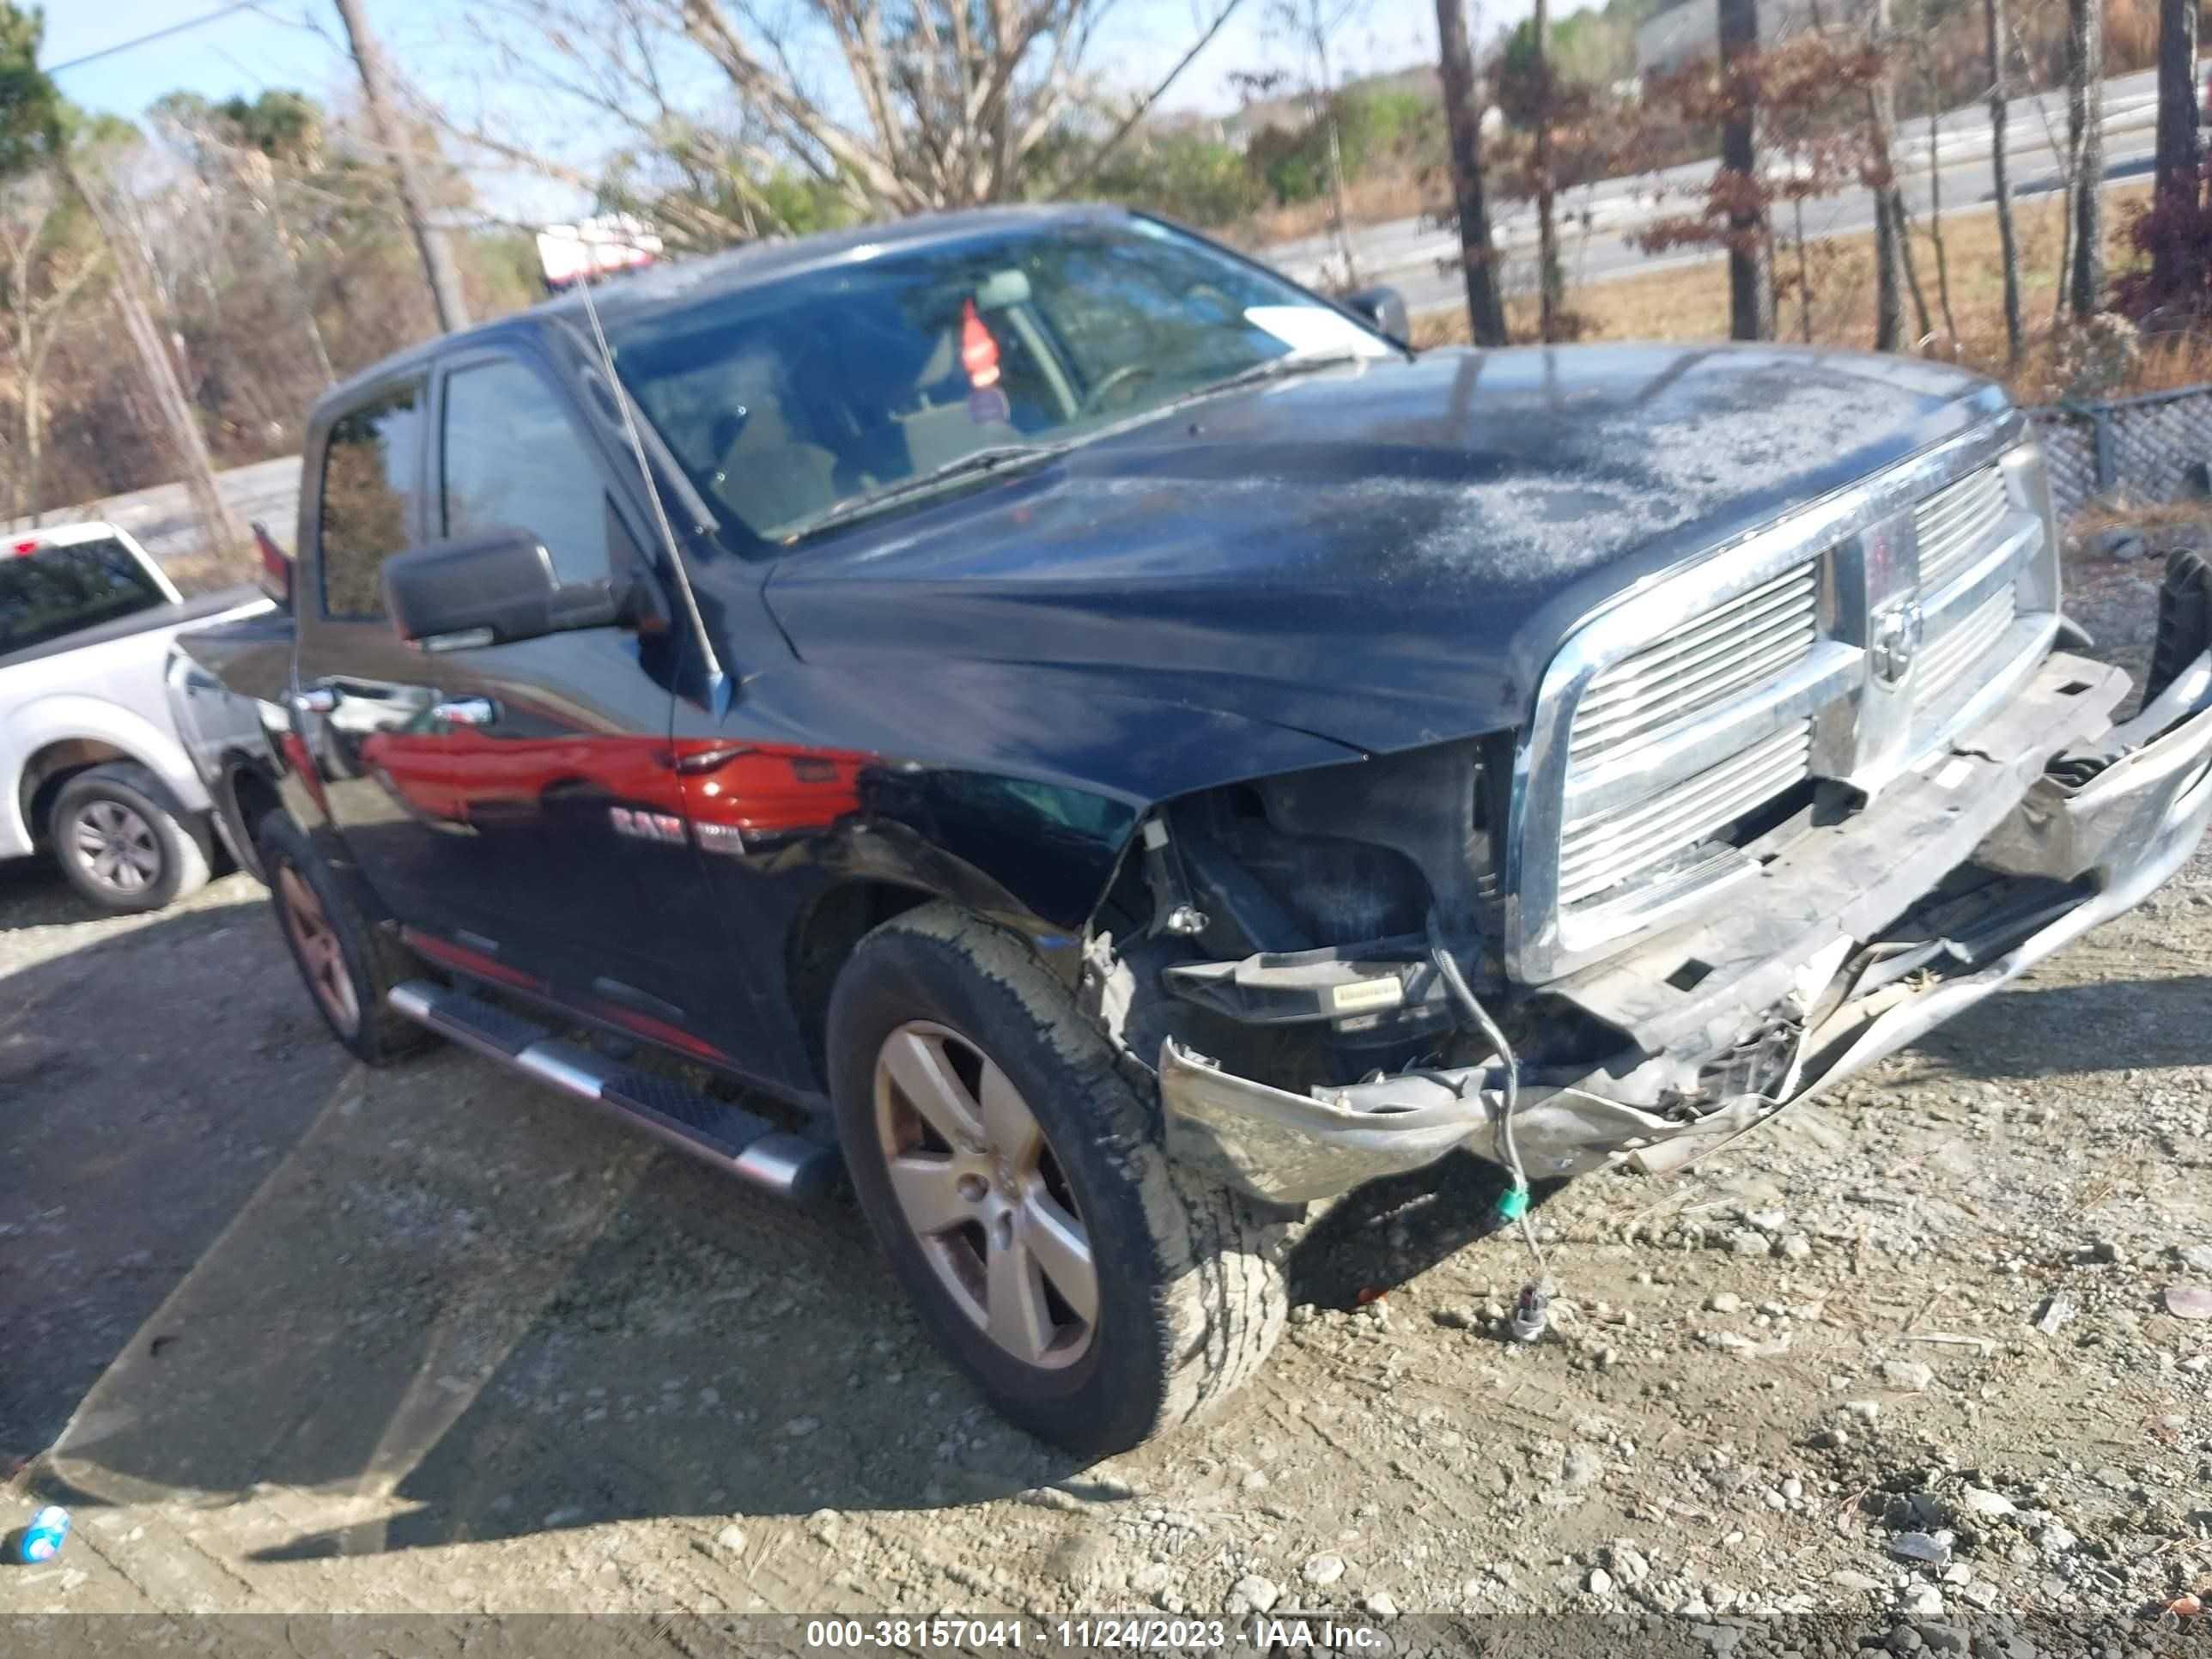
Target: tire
(123, 841)
(1186, 1285)
(348, 963)
(2185, 620)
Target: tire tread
(1218, 1299)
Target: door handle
(466, 711)
(316, 699)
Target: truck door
(490, 793)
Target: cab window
(514, 460)
(371, 477)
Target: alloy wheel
(321, 957)
(116, 846)
(986, 1200)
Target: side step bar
(727, 1136)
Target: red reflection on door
(466, 776)
(769, 790)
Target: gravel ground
(1901, 1372)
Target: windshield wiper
(994, 458)
(1271, 368)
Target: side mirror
(488, 589)
(1385, 308)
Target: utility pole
(133, 297)
(384, 122)
(1486, 315)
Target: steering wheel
(1208, 291)
(1122, 376)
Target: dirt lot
(292, 1335)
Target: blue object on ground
(42, 1539)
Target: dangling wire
(1529, 1315)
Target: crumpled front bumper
(2112, 828)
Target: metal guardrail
(2154, 446)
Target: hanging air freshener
(979, 355)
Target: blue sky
(275, 46)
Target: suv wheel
(348, 963)
(1015, 1178)
(123, 842)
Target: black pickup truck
(1116, 749)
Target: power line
(157, 34)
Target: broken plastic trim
(1297, 1149)
(2078, 820)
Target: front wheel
(1015, 1179)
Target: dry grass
(1690, 302)
(210, 573)
(2150, 517)
(1380, 197)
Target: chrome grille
(1962, 645)
(1604, 850)
(1956, 524)
(1668, 721)
(1751, 639)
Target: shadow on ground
(32, 894)
(135, 1118)
(430, 1302)
(2103, 1026)
(1393, 1230)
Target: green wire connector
(1513, 1203)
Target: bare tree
(1312, 26)
(1895, 272)
(398, 143)
(1486, 315)
(2084, 284)
(2178, 148)
(1551, 285)
(1751, 290)
(875, 108)
(133, 297)
(1807, 91)
(1936, 199)
(1993, 18)
(49, 274)
(259, 177)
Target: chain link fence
(2152, 448)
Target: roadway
(1595, 222)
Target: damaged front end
(2100, 823)
(1289, 962)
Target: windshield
(789, 402)
(52, 592)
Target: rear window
(55, 591)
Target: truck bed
(141, 622)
